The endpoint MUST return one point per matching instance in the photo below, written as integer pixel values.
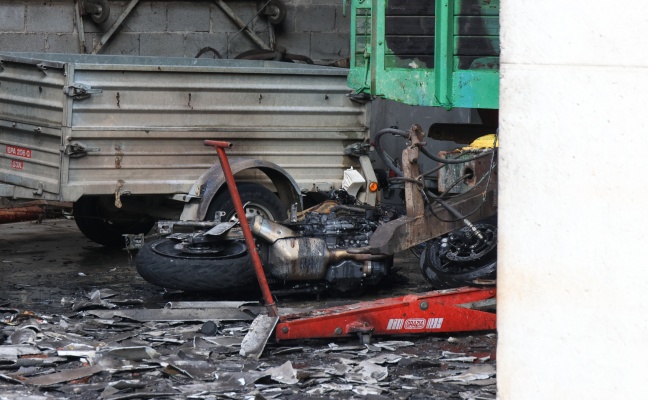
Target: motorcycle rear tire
(455, 274)
(162, 265)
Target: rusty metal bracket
(413, 197)
(405, 232)
(422, 224)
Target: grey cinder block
(12, 17)
(62, 43)
(51, 16)
(22, 42)
(315, 18)
(122, 43)
(194, 42)
(296, 43)
(188, 16)
(147, 17)
(329, 46)
(161, 44)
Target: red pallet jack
(454, 310)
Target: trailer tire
(104, 227)
(161, 264)
(260, 201)
(445, 273)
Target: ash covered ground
(78, 322)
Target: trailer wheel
(260, 201)
(163, 264)
(105, 226)
(458, 259)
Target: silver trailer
(123, 136)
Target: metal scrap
(14, 351)
(141, 353)
(64, 376)
(180, 315)
(257, 337)
(285, 373)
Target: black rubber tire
(107, 227)
(162, 265)
(261, 202)
(443, 273)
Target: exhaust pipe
(293, 257)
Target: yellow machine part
(484, 142)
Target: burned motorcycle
(324, 249)
(329, 246)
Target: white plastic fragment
(352, 181)
(285, 373)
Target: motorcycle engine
(342, 229)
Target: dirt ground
(49, 267)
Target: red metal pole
(245, 227)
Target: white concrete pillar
(573, 219)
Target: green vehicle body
(431, 53)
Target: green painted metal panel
(427, 52)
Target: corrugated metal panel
(31, 115)
(31, 94)
(146, 127)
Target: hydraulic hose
(439, 199)
(382, 154)
(397, 132)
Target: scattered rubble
(110, 336)
(148, 353)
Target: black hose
(382, 154)
(397, 132)
(453, 211)
(455, 183)
(439, 199)
(436, 198)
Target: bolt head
(338, 331)
(284, 329)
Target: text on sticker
(19, 151)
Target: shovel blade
(257, 337)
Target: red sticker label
(19, 151)
(17, 164)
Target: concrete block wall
(314, 28)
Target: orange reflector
(373, 186)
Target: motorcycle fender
(212, 180)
